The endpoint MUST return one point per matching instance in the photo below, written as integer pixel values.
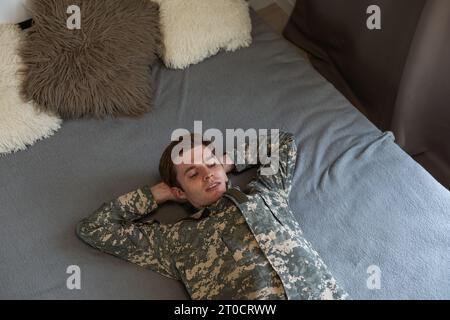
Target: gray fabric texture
(359, 198)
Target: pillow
(20, 123)
(103, 68)
(197, 29)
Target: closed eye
(193, 175)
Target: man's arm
(283, 165)
(114, 228)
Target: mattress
(366, 206)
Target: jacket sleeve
(277, 170)
(114, 228)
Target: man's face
(204, 181)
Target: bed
(365, 205)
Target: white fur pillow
(194, 30)
(20, 123)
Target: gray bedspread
(361, 200)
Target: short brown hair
(167, 169)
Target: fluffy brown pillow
(101, 69)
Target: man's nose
(208, 176)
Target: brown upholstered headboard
(397, 75)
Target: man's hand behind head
(163, 193)
(227, 162)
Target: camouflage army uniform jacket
(244, 246)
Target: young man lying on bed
(236, 246)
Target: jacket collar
(220, 205)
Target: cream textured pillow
(20, 122)
(194, 30)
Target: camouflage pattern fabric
(243, 246)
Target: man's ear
(178, 194)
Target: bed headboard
(13, 11)
(396, 75)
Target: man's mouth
(213, 186)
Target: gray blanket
(360, 199)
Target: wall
(286, 5)
(13, 11)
